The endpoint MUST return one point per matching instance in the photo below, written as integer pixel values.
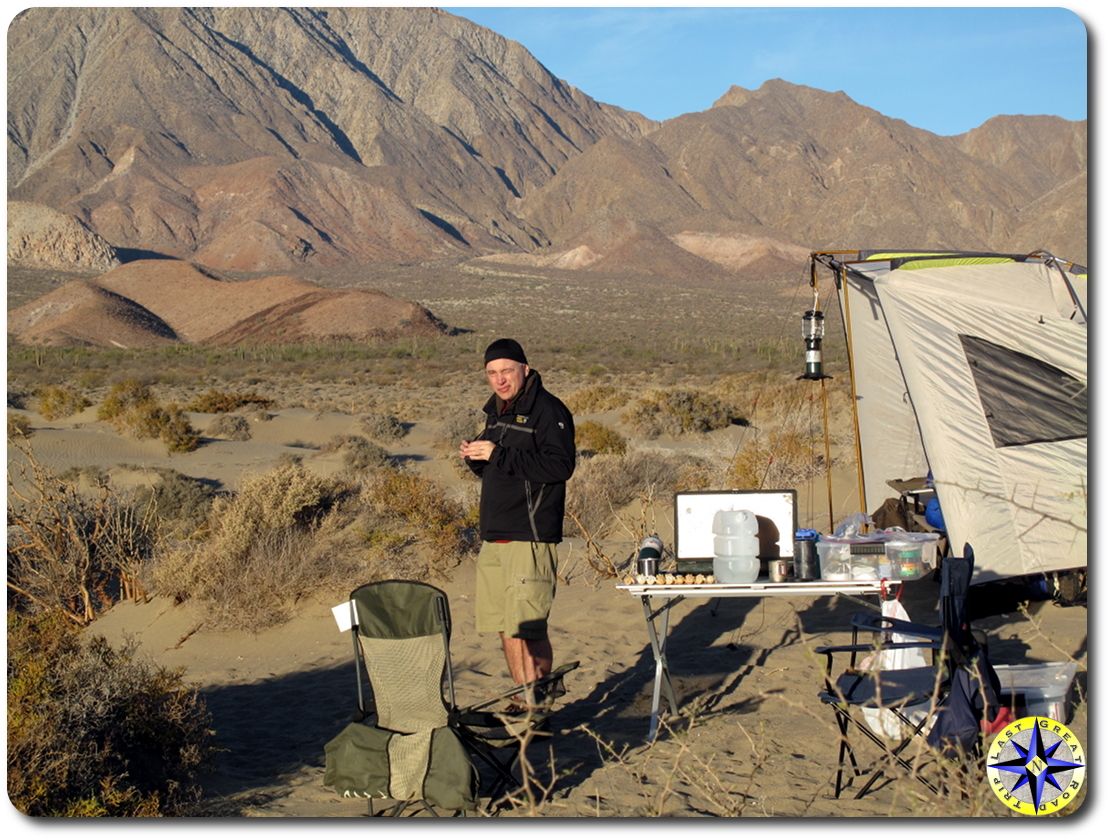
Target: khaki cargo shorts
(516, 588)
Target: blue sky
(944, 69)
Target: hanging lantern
(813, 330)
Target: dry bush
(229, 427)
(220, 402)
(465, 424)
(778, 458)
(19, 426)
(176, 431)
(678, 412)
(604, 484)
(179, 503)
(94, 733)
(57, 401)
(132, 409)
(89, 474)
(359, 454)
(280, 537)
(787, 455)
(408, 509)
(122, 397)
(381, 426)
(593, 438)
(65, 550)
(600, 397)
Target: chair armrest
(885, 624)
(828, 651)
(551, 679)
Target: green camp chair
(409, 742)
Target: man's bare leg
(528, 659)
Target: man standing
(524, 457)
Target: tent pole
(852, 378)
(828, 457)
(824, 399)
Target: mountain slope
(259, 138)
(121, 116)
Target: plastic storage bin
(911, 554)
(850, 558)
(1041, 690)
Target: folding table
(672, 595)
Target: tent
(973, 366)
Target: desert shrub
(600, 397)
(90, 474)
(678, 412)
(177, 432)
(782, 457)
(381, 426)
(65, 550)
(94, 733)
(229, 427)
(604, 484)
(286, 459)
(278, 538)
(179, 503)
(19, 426)
(359, 454)
(56, 401)
(418, 507)
(122, 397)
(465, 424)
(593, 438)
(132, 409)
(221, 402)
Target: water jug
(735, 546)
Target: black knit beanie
(506, 348)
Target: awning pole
(824, 401)
(852, 379)
(828, 457)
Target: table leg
(658, 646)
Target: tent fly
(973, 367)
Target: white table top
(758, 589)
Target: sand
(752, 739)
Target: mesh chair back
(403, 629)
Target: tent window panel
(1026, 400)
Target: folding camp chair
(953, 694)
(409, 741)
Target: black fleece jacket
(524, 482)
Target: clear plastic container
(735, 546)
(911, 554)
(849, 558)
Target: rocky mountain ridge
(268, 139)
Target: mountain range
(289, 140)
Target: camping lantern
(813, 330)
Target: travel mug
(647, 562)
(805, 555)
